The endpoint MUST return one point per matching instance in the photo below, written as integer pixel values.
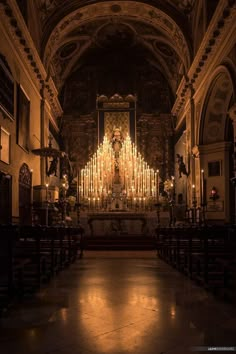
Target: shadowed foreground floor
(118, 302)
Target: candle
(173, 187)
(77, 186)
(46, 191)
(157, 186)
(32, 194)
(127, 165)
(202, 187)
(46, 221)
(194, 192)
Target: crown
(116, 128)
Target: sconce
(214, 194)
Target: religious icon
(117, 140)
(53, 167)
(182, 167)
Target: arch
(25, 187)
(127, 9)
(215, 107)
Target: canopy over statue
(116, 111)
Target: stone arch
(217, 102)
(216, 139)
(25, 188)
(127, 9)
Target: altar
(117, 224)
(118, 190)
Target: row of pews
(32, 255)
(205, 254)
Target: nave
(118, 302)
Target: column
(232, 114)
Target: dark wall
(123, 72)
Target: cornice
(215, 147)
(13, 21)
(221, 25)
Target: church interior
(117, 176)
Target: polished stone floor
(119, 303)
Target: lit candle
(46, 221)
(194, 192)
(157, 186)
(31, 171)
(46, 191)
(64, 189)
(78, 185)
(202, 187)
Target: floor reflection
(118, 305)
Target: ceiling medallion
(117, 35)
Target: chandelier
(117, 178)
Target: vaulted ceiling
(117, 41)
(76, 32)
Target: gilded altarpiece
(116, 120)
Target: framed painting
(214, 168)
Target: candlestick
(77, 186)
(202, 188)
(46, 191)
(157, 186)
(46, 221)
(32, 187)
(194, 192)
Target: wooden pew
(205, 254)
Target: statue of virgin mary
(117, 140)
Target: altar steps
(124, 242)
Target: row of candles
(130, 203)
(137, 179)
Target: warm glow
(140, 183)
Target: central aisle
(118, 302)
